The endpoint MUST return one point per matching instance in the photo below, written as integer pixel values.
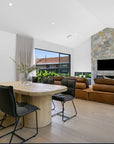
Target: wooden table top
(35, 89)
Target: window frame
(59, 57)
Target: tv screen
(105, 65)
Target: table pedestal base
(44, 114)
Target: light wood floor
(94, 123)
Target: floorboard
(93, 124)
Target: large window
(52, 61)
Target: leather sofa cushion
(81, 85)
(72, 77)
(81, 80)
(103, 87)
(57, 82)
(85, 81)
(79, 93)
(78, 85)
(104, 97)
(104, 81)
(59, 78)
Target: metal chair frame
(53, 105)
(61, 113)
(15, 129)
(1, 123)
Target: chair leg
(54, 109)
(36, 123)
(67, 117)
(61, 113)
(2, 120)
(64, 117)
(16, 123)
(53, 105)
(13, 132)
(24, 140)
(74, 107)
(23, 121)
(62, 110)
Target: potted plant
(24, 70)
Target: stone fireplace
(102, 47)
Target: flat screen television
(105, 65)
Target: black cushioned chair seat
(62, 97)
(24, 108)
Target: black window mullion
(68, 67)
(59, 62)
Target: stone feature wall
(102, 47)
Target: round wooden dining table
(37, 94)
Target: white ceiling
(79, 18)
(102, 9)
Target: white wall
(82, 57)
(7, 50)
(53, 47)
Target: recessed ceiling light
(69, 36)
(53, 23)
(10, 4)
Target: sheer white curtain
(24, 51)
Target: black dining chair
(9, 106)
(48, 80)
(63, 97)
(34, 79)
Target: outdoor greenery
(81, 75)
(89, 76)
(47, 74)
(84, 76)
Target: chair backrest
(34, 79)
(45, 80)
(48, 80)
(71, 84)
(7, 100)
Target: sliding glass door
(52, 61)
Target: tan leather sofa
(102, 91)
